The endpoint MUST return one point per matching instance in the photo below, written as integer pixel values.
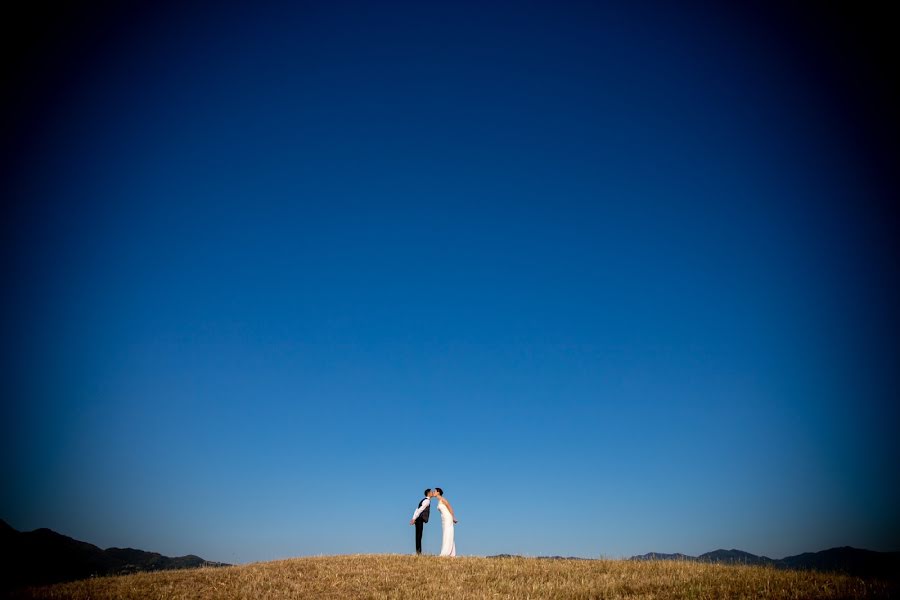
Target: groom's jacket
(423, 513)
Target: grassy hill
(401, 576)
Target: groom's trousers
(419, 526)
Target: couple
(420, 517)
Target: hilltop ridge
(44, 556)
(366, 576)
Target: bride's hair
(439, 491)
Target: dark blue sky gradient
(625, 275)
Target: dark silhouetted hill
(864, 563)
(44, 556)
(853, 561)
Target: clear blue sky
(618, 280)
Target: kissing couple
(448, 519)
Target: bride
(448, 546)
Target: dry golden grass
(393, 576)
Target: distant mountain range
(44, 556)
(727, 557)
(853, 561)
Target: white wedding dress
(448, 546)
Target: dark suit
(420, 523)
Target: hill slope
(393, 576)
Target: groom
(420, 517)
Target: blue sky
(617, 280)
